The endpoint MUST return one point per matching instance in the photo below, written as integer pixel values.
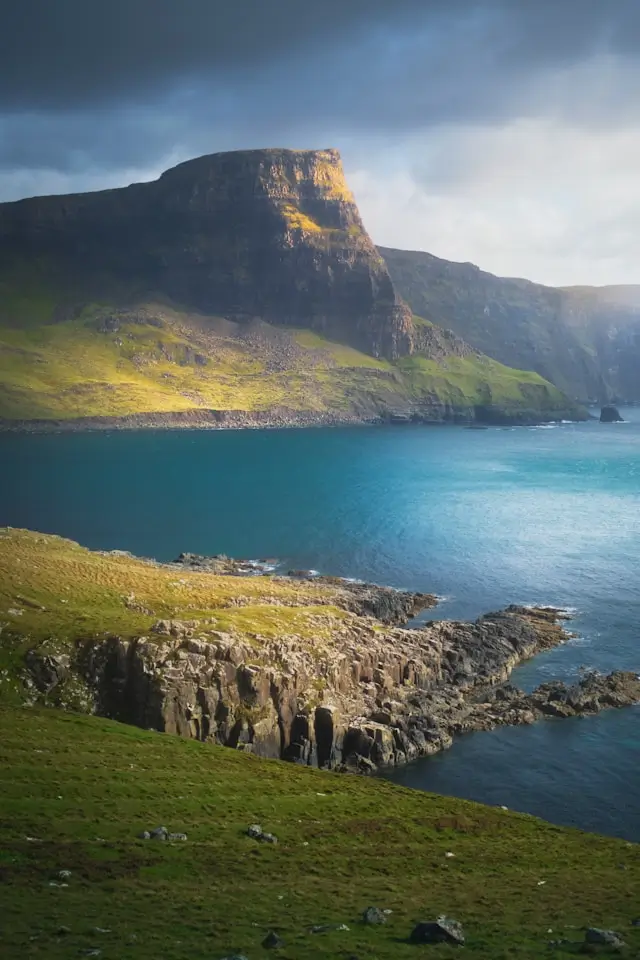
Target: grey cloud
(56, 55)
(90, 87)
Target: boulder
(272, 941)
(373, 915)
(607, 938)
(442, 930)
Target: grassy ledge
(76, 791)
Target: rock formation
(273, 234)
(376, 695)
(610, 414)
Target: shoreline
(262, 420)
(365, 689)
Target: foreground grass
(82, 788)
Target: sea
(483, 518)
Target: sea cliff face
(317, 670)
(273, 234)
(585, 340)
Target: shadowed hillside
(586, 340)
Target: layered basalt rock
(375, 695)
(274, 234)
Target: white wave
(579, 641)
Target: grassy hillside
(102, 361)
(76, 791)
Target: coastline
(277, 419)
(326, 672)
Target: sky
(501, 132)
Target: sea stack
(610, 414)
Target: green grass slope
(76, 791)
(97, 360)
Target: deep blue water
(483, 518)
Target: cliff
(238, 287)
(585, 340)
(273, 234)
(317, 670)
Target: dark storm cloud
(62, 53)
(130, 84)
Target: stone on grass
(442, 930)
(64, 874)
(268, 838)
(160, 833)
(374, 915)
(608, 938)
(177, 836)
(329, 927)
(145, 835)
(272, 941)
(255, 831)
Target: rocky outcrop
(272, 233)
(610, 414)
(375, 694)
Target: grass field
(76, 791)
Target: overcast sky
(504, 132)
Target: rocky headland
(317, 670)
(239, 289)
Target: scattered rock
(160, 833)
(255, 831)
(272, 941)
(608, 938)
(100, 930)
(145, 835)
(442, 930)
(374, 915)
(268, 838)
(63, 874)
(329, 927)
(177, 836)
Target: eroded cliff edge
(317, 670)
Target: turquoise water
(483, 518)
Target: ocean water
(545, 515)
